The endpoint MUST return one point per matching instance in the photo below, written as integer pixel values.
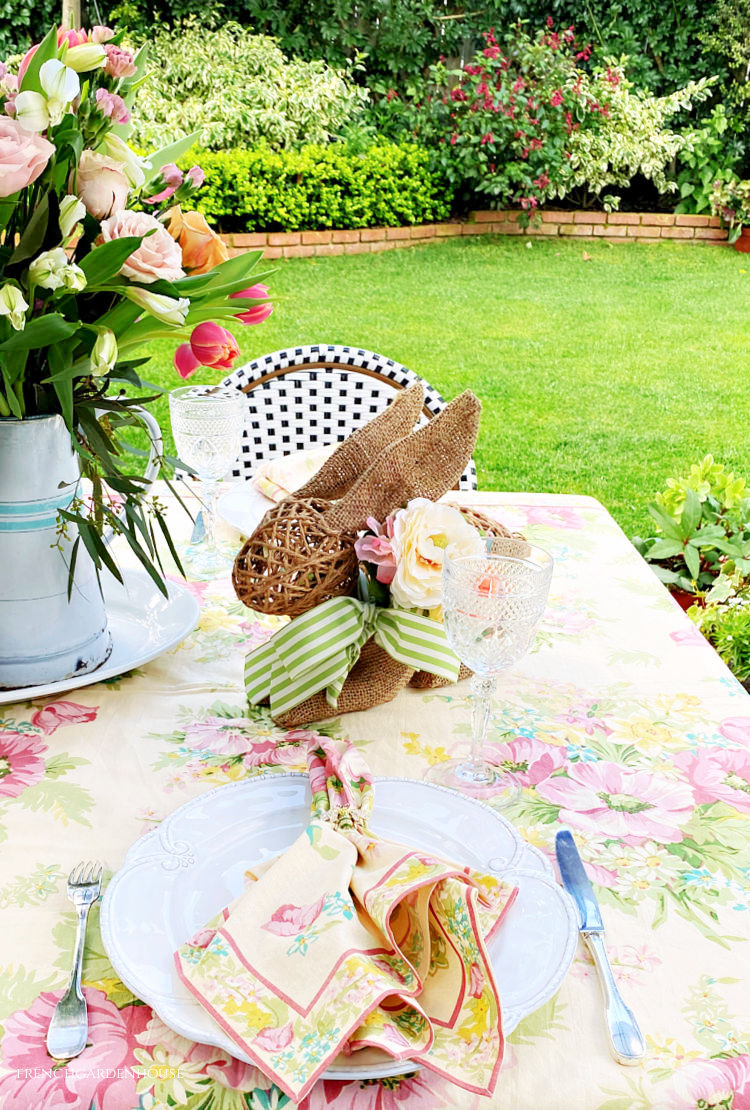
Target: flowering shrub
(730, 201)
(249, 92)
(525, 121)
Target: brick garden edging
(614, 227)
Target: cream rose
(102, 184)
(158, 255)
(422, 533)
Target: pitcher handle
(153, 466)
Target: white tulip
(60, 86)
(134, 165)
(87, 56)
(170, 310)
(103, 353)
(72, 210)
(13, 306)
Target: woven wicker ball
(294, 560)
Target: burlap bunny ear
(302, 552)
(352, 457)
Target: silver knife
(625, 1038)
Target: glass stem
(483, 689)
(210, 490)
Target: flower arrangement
(403, 558)
(97, 258)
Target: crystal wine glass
(207, 423)
(492, 605)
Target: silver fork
(66, 1036)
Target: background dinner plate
(243, 507)
(177, 877)
(143, 624)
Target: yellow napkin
(346, 941)
(278, 478)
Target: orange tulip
(202, 248)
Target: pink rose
(289, 920)
(102, 184)
(158, 256)
(112, 106)
(51, 717)
(119, 63)
(213, 345)
(257, 313)
(23, 156)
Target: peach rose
(102, 184)
(202, 248)
(158, 255)
(23, 156)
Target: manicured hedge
(318, 187)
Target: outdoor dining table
(622, 725)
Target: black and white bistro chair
(307, 396)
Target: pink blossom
(196, 589)
(610, 801)
(219, 735)
(119, 63)
(736, 729)
(112, 106)
(213, 345)
(59, 713)
(689, 636)
(202, 938)
(72, 37)
(171, 179)
(102, 1074)
(21, 763)
(581, 717)
(528, 761)
(157, 257)
(227, 1071)
(552, 517)
(100, 34)
(718, 775)
(476, 981)
(379, 551)
(255, 314)
(273, 1040)
(289, 920)
(185, 362)
(716, 1082)
(23, 156)
(424, 1090)
(195, 176)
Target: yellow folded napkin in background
(347, 940)
(280, 477)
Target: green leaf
(60, 765)
(693, 560)
(19, 987)
(47, 49)
(169, 154)
(34, 232)
(691, 513)
(66, 801)
(664, 549)
(43, 331)
(104, 262)
(668, 524)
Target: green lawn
(599, 377)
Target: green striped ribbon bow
(317, 650)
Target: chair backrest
(307, 396)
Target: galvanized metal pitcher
(45, 638)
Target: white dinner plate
(143, 624)
(174, 879)
(243, 507)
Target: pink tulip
(185, 362)
(257, 313)
(213, 345)
(72, 37)
(25, 61)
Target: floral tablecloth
(622, 724)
